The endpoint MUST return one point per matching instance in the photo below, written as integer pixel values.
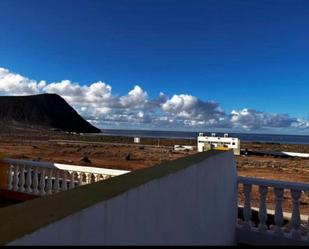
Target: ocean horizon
(247, 137)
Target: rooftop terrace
(188, 201)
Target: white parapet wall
(190, 201)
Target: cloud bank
(97, 104)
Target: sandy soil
(107, 152)
(122, 153)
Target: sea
(247, 137)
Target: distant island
(42, 111)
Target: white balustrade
(22, 179)
(42, 182)
(29, 180)
(42, 178)
(16, 178)
(36, 181)
(296, 190)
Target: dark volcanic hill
(42, 111)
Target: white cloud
(15, 84)
(72, 92)
(301, 123)
(136, 98)
(193, 111)
(78, 94)
(253, 119)
(96, 102)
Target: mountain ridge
(47, 111)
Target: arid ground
(121, 153)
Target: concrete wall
(194, 206)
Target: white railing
(296, 190)
(43, 178)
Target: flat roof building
(205, 143)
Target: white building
(205, 143)
(137, 140)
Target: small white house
(205, 143)
(137, 140)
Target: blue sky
(243, 55)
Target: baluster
(98, 177)
(80, 178)
(94, 178)
(64, 186)
(42, 182)
(72, 183)
(22, 179)
(262, 209)
(35, 182)
(56, 183)
(247, 206)
(279, 212)
(88, 178)
(49, 185)
(16, 178)
(29, 180)
(295, 220)
(295, 214)
(10, 177)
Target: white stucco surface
(194, 206)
